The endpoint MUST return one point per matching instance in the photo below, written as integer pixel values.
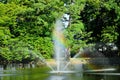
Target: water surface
(43, 74)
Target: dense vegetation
(26, 26)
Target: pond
(43, 74)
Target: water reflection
(67, 75)
(42, 74)
(74, 76)
(57, 77)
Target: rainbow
(59, 37)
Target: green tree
(30, 23)
(76, 34)
(109, 34)
(39, 17)
(26, 25)
(98, 15)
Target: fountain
(62, 54)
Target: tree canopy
(26, 25)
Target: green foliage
(8, 13)
(26, 49)
(4, 36)
(30, 23)
(38, 18)
(98, 15)
(15, 50)
(75, 9)
(26, 25)
(109, 34)
(44, 46)
(77, 37)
